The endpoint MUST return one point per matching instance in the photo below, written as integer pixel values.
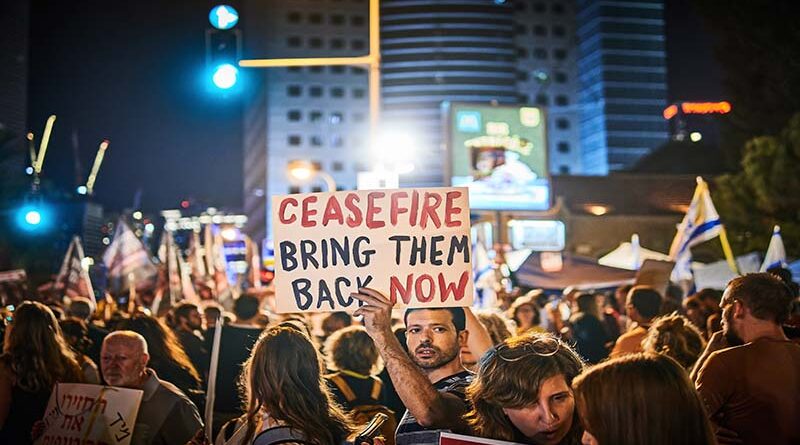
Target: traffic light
(34, 217)
(223, 47)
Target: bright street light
(302, 171)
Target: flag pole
(212, 377)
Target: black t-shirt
(235, 346)
(410, 432)
(196, 350)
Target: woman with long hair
(642, 399)
(525, 313)
(167, 357)
(285, 395)
(522, 392)
(35, 357)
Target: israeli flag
(776, 253)
(701, 223)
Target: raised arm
(431, 408)
(479, 340)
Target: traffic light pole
(372, 61)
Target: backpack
(363, 410)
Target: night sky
(134, 72)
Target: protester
(166, 415)
(352, 355)
(35, 357)
(166, 356)
(587, 330)
(675, 336)
(525, 313)
(287, 400)
(711, 299)
(621, 299)
(76, 335)
(236, 341)
(697, 313)
(497, 327)
(212, 312)
(335, 321)
(82, 308)
(429, 378)
(641, 399)
(188, 323)
(642, 306)
(522, 392)
(751, 390)
(610, 318)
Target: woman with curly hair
(674, 335)
(167, 357)
(35, 357)
(641, 399)
(522, 392)
(287, 400)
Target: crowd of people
(635, 366)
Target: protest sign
(90, 415)
(458, 439)
(411, 244)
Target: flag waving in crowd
(72, 275)
(776, 253)
(127, 257)
(701, 223)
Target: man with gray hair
(166, 416)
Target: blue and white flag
(776, 253)
(700, 224)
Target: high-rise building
(547, 75)
(623, 82)
(15, 23)
(603, 94)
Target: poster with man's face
(500, 153)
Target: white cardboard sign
(411, 244)
(90, 415)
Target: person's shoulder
(456, 382)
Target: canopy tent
(580, 272)
(716, 275)
(624, 257)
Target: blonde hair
(674, 335)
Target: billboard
(500, 153)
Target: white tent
(624, 257)
(717, 275)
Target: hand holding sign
(377, 312)
(412, 244)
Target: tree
(765, 192)
(757, 45)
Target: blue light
(223, 17)
(28, 170)
(82, 190)
(225, 76)
(33, 217)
